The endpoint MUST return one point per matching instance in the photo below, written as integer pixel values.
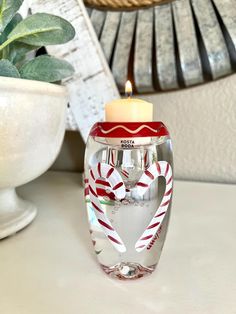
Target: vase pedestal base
(15, 213)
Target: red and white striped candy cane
(112, 176)
(113, 158)
(125, 173)
(158, 169)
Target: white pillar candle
(129, 109)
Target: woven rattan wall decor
(171, 46)
(123, 4)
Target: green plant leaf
(18, 51)
(8, 9)
(41, 29)
(46, 68)
(10, 26)
(7, 50)
(7, 69)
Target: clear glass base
(128, 271)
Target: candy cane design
(113, 158)
(145, 159)
(112, 177)
(125, 173)
(158, 169)
(113, 164)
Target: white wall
(202, 123)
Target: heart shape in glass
(117, 186)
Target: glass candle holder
(128, 192)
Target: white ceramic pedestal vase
(32, 127)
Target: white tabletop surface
(49, 268)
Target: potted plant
(32, 109)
